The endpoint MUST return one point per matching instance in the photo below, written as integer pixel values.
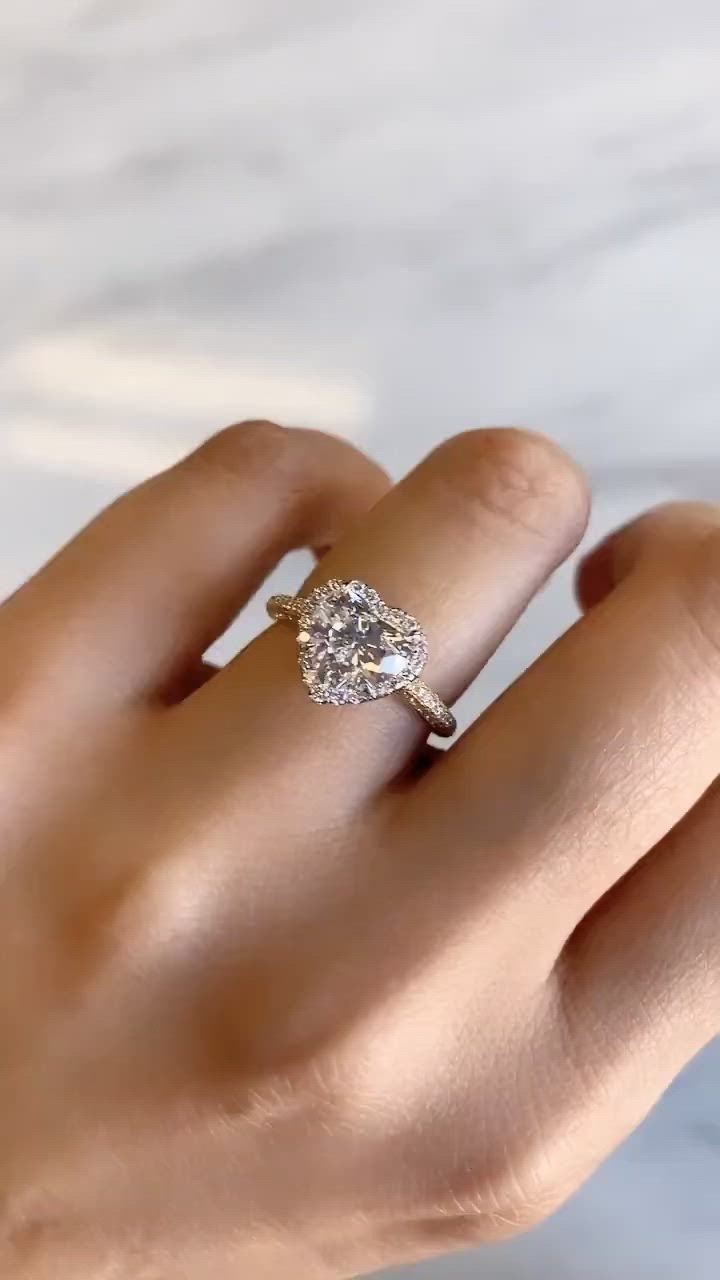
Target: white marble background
(394, 218)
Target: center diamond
(353, 648)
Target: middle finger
(463, 543)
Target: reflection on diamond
(353, 648)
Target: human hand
(282, 993)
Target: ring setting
(354, 648)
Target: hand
(282, 994)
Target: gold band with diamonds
(417, 694)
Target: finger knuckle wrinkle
(516, 476)
(495, 1208)
(699, 586)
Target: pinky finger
(641, 974)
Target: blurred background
(392, 219)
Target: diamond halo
(353, 647)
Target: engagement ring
(354, 648)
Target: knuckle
(254, 448)
(697, 578)
(502, 1203)
(518, 1189)
(681, 520)
(485, 1181)
(517, 476)
(668, 530)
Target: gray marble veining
(393, 218)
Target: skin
(283, 992)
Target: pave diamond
(353, 648)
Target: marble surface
(393, 218)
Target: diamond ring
(354, 648)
